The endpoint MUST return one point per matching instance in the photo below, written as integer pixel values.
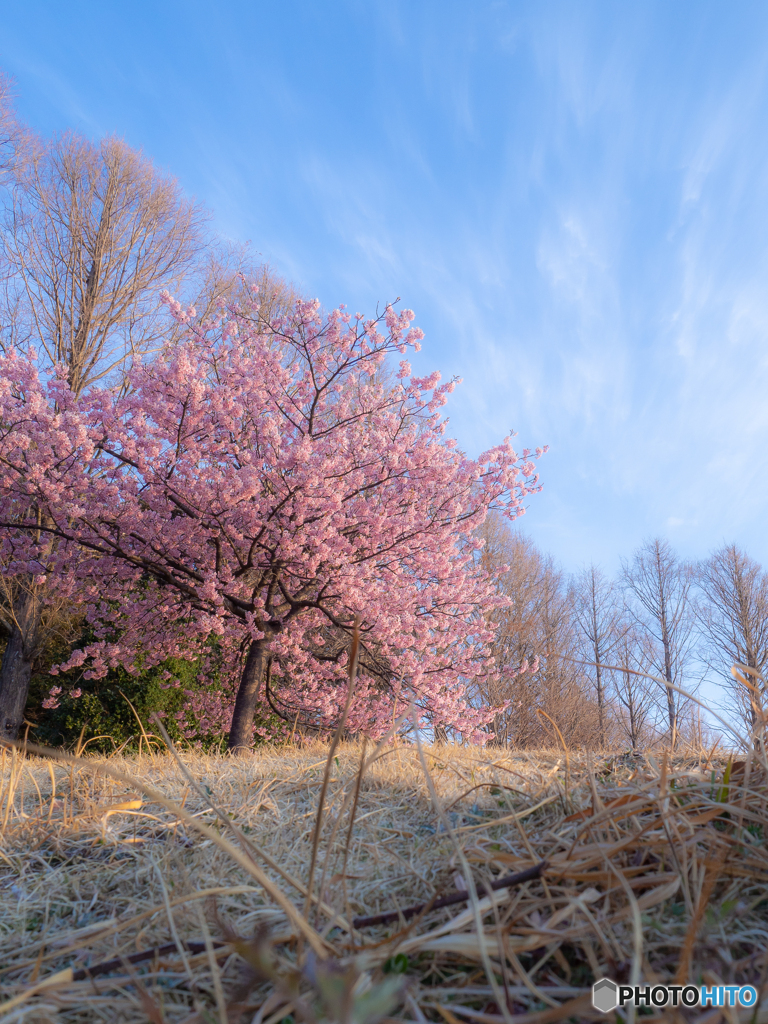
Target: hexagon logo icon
(604, 995)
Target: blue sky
(573, 197)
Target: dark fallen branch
(448, 901)
(136, 958)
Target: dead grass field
(128, 897)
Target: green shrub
(102, 713)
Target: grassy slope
(671, 881)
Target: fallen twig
(448, 901)
(107, 966)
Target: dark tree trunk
(16, 668)
(634, 728)
(240, 733)
(671, 709)
(600, 700)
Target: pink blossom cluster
(54, 694)
(262, 484)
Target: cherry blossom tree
(263, 484)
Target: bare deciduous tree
(599, 617)
(225, 272)
(535, 631)
(564, 687)
(11, 131)
(659, 584)
(733, 617)
(91, 233)
(633, 656)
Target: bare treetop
(13, 134)
(734, 623)
(599, 616)
(659, 585)
(92, 233)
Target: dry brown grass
(654, 873)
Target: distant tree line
(617, 658)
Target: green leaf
(397, 964)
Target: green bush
(102, 713)
(102, 716)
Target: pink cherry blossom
(52, 700)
